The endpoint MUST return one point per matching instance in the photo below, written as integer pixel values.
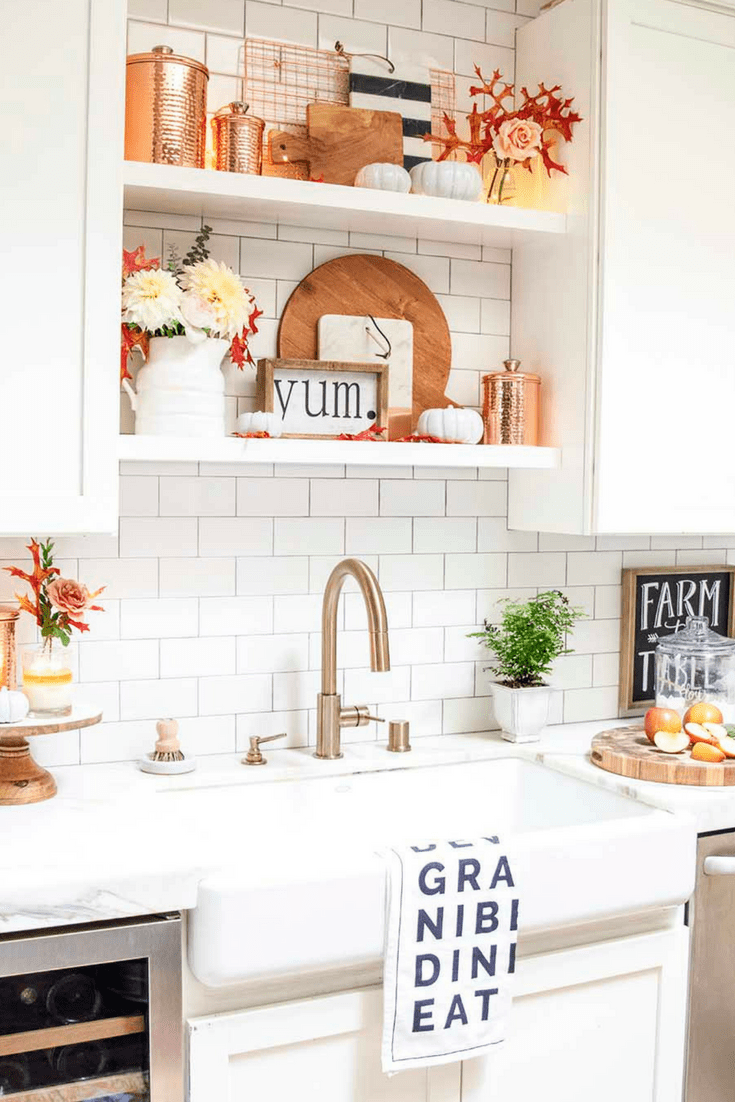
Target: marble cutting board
(346, 338)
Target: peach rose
(518, 139)
(68, 595)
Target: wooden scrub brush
(167, 756)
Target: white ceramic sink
(308, 894)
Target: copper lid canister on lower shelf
(166, 108)
(510, 405)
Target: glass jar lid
(696, 638)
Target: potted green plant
(530, 636)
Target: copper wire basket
(166, 108)
(238, 139)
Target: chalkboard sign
(657, 601)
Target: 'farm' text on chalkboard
(657, 601)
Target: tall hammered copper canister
(166, 109)
(510, 405)
(238, 139)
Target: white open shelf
(173, 190)
(357, 453)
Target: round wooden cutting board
(362, 284)
(627, 751)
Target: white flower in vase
(221, 289)
(151, 300)
(199, 317)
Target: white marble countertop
(109, 845)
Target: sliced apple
(698, 733)
(727, 745)
(716, 731)
(673, 742)
(704, 751)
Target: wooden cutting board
(627, 751)
(341, 141)
(362, 284)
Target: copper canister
(166, 108)
(8, 618)
(238, 139)
(510, 405)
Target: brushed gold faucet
(331, 717)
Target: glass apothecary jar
(696, 664)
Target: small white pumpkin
(14, 706)
(460, 426)
(384, 177)
(260, 422)
(447, 180)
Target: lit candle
(47, 682)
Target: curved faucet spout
(331, 716)
(377, 620)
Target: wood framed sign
(656, 602)
(324, 398)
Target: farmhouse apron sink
(308, 893)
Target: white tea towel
(450, 948)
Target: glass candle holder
(696, 664)
(47, 680)
(8, 618)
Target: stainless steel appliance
(711, 1064)
(92, 1011)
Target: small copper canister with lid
(238, 139)
(510, 405)
(166, 108)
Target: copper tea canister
(8, 618)
(238, 139)
(166, 108)
(510, 405)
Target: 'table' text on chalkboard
(656, 602)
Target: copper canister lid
(510, 367)
(166, 56)
(9, 612)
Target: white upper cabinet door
(63, 68)
(638, 359)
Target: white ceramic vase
(180, 390)
(521, 713)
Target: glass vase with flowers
(58, 605)
(507, 137)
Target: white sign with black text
(324, 398)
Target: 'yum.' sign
(324, 398)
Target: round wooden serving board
(628, 752)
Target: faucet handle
(254, 756)
(357, 715)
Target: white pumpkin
(260, 422)
(384, 177)
(14, 706)
(461, 426)
(447, 180)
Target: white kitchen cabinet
(629, 318)
(63, 71)
(603, 1021)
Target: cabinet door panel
(61, 198)
(667, 384)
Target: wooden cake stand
(22, 780)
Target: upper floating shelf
(162, 449)
(174, 190)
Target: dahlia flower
(218, 287)
(151, 300)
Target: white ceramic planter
(521, 713)
(180, 390)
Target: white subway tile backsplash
(298, 613)
(472, 277)
(587, 704)
(272, 653)
(221, 696)
(444, 609)
(138, 496)
(546, 569)
(142, 37)
(423, 716)
(197, 657)
(595, 636)
(493, 534)
(468, 714)
(272, 497)
(366, 687)
(332, 497)
(159, 536)
(594, 567)
(310, 536)
(214, 15)
(410, 498)
(607, 601)
(284, 24)
(441, 15)
(294, 724)
(118, 661)
(444, 534)
(201, 577)
(382, 535)
(476, 499)
(197, 497)
(411, 572)
(235, 535)
(220, 616)
(477, 571)
(273, 574)
(172, 698)
(153, 618)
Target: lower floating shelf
(162, 449)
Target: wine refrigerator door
(92, 1011)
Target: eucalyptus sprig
(530, 636)
(199, 250)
